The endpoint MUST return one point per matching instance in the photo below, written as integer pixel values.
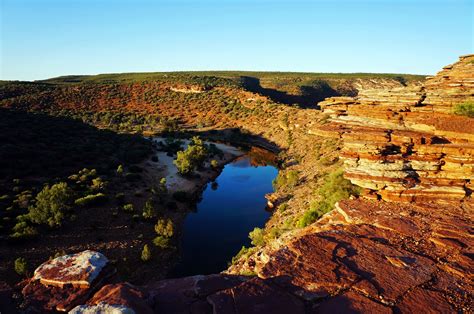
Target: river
(231, 207)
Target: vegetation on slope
(465, 109)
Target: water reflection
(230, 208)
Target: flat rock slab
(116, 298)
(42, 298)
(188, 294)
(78, 269)
(255, 296)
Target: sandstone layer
(406, 144)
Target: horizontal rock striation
(406, 144)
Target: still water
(230, 208)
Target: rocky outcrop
(78, 270)
(116, 298)
(373, 256)
(406, 144)
(66, 281)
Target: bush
(148, 210)
(256, 235)
(93, 199)
(184, 163)
(333, 190)
(288, 179)
(22, 230)
(21, 267)
(165, 228)
(188, 160)
(120, 170)
(146, 253)
(243, 253)
(98, 184)
(214, 163)
(128, 208)
(465, 109)
(162, 242)
(50, 205)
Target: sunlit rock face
(407, 144)
(66, 281)
(78, 269)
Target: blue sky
(46, 38)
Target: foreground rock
(116, 298)
(66, 281)
(379, 257)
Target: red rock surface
(64, 282)
(79, 269)
(406, 144)
(375, 256)
(120, 296)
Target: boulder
(78, 270)
(66, 281)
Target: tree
(21, 267)
(148, 210)
(51, 202)
(188, 160)
(256, 236)
(165, 228)
(146, 253)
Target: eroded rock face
(379, 256)
(406, 144)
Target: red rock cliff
(406, 144)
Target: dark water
(229, 210)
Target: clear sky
(47, 38)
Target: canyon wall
(406, 144)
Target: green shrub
(21, 267)
(334, 189)
(128, 208)
(50, 205)
(165, 228)
(283, 207)
(98, 184)
(148, 210)
(146, 253)
(257, 237)
(214, 163)
(92, 199)
(243, 253)
(465, 109)
(288, 179)
(23, 230)
(188, 160)
(162, 242)
(120, 170)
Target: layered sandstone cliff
(406, 144)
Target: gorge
(396, 238)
